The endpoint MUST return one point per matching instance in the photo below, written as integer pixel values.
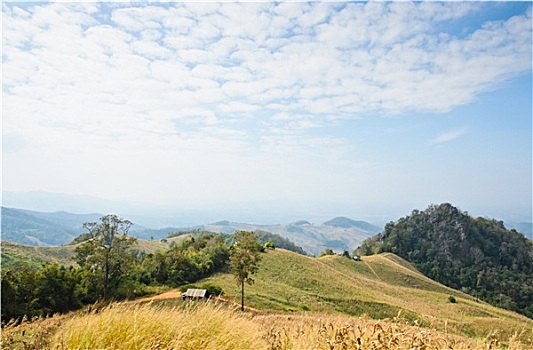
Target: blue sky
(367, 110)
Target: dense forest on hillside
(29, 291)
(476, 255)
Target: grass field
(212, 325)
(377, 287)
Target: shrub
(213, 289)
(451, 299)
(184, 288)
(305, 308)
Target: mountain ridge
(36, 227)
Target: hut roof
(196, 293)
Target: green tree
(327, 251)
(244, 259)
(106, 254)
(269, 245)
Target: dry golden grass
(340, 332)
(342, 300)
(147, 326)
(29, 335)
(214, 325)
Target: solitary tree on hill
(244, 259)
(104, 254)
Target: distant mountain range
(39, 229)
(58, 228)
(339, 234)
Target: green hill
(476, 255)
(379, 286)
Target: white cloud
(448, 136)
(218, 81)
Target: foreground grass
(220, 326)
(124, 326)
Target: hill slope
(477, 255)
(378, 286)
(15, 252)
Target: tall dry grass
(323, 332)
(219, 326)
(126, 326)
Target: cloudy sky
(357, 109)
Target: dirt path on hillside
(371, 269)
(171, 294)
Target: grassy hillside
(15, 252)
(379, 287)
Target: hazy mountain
(343, 222)
(58, 228)
(338, 234)
(54, 202)
(22, 227)
(63, 218)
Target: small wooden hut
(195, 294)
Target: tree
(327, 251)
(105, 253)
(269, 245)
(244, 259)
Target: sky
(367, 110)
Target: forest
(107, 269)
